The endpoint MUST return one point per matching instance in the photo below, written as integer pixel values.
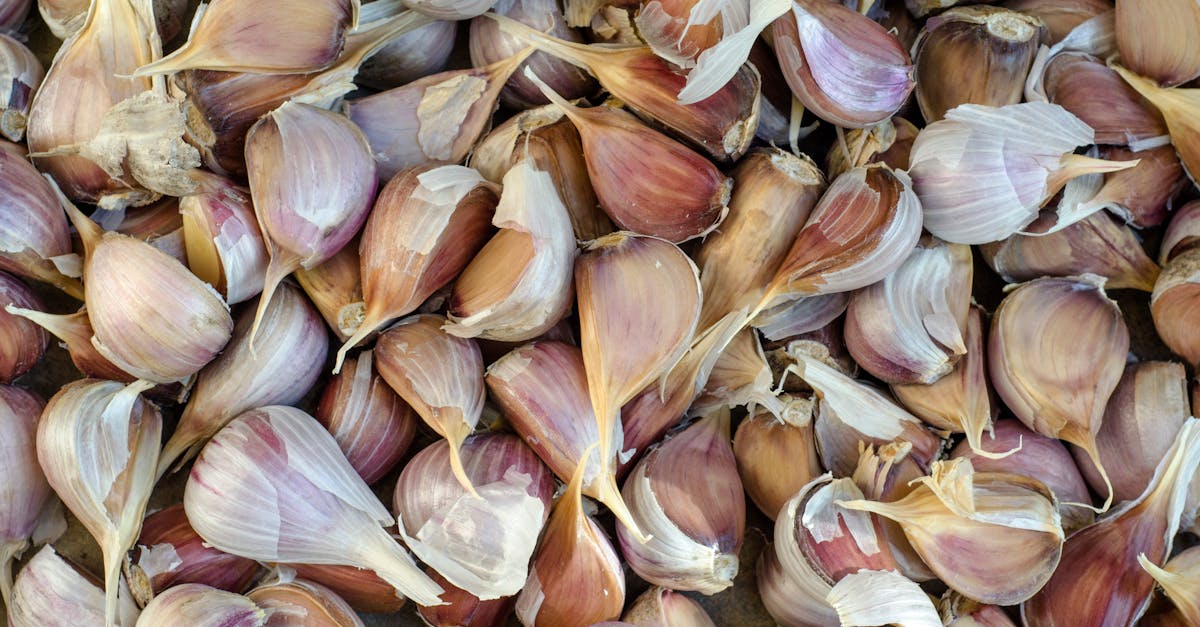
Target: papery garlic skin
(201, 606)
(20, 69)
(26, 491)
(22, 342)
(273, 486)
(870, 596)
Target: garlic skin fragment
(695, 527)
(871, 597)
(98, 443)
(888, 142)
(26, 492)
(1172, 305)
(20, 69)
(33, 228)
(225, 247)
(1180, 579)
(299, 603)
(1163, 57)
(52, 592)
(982, 173)
(497, 299)
(22, 342)
(169, 552)
(273, 486)
(201, 606)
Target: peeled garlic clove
(576, 576)
(1001, 40)
(1104, 556)
(288, 38)
(25, 492)
(959, 611)
(1085, 86)
(1180, 579)
(993, 537)
(33, 229)
(225, 247)
(1162, 57)
(1172, 305)
(909, 327)
(1055, 354)
(439, 375)
(765, 443)
(481, 544)
(888, 142)
(498, 297)
(460, 607)
(1060, 16)
(408, 57)
(1097, 244)
(22, 342)
(299, 603)
(1183, 233)
(169, 552)
(426, 226)
(435, 119)
(450, 9)
(335, 288)
(1178, 107)
(53, 592)
(773, 195)
(801, 316)
(276, 368)
(842, 249)
(1145, 411)
(695, 527)
(362, 589)
(312, 179)
(663, 607)
(1011, 448)
(272, 483)
(20, 69)
(98, 443)
(202, 606)
(845, 68)
(371, 424)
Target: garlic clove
(362, 589)
(270, 486)
(993, 537)
(33, 229)
(861, 230)
(98, 443)
(22, 70)
(773, 195)
(225, 247)
(888, 142)
(876, 596)
(1144, 194)
(276, 37)
(1054, 335)
(883, 475)
(435, 119)
(460, 607)
(51, 591)
(1104, 556)
(1020, 156)
(1180, 579)
(438, 375)
(1085, 86)
(1001, 40)
(12, 14)
(845, 68)
(22, 341)
(312, 180)
(959, 611)
(371, 424)
(427, 225)
(408, 57)
(576, 575)
(279, 371)
(1097, 244)
(765, 443)
(299, 603)
(909, 327)
(1178, 107)
(169, 552)
(1060, 16)
(663, 607)
(1160, 57)
(201, 606)
(450, 9)
(25, 492)
(498, 297)
(65, 17)
(335, 288)
(695, 527)
(1183, 232)
(1172, 305)
(75, 331)
(1012, 448)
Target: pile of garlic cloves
(599, 312)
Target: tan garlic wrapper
(856, 598)
(1055, 354)
(1162, 56)
(22, 70)
(51, 586)
(1001, 40)
(22, 340)
(678, 32)
(26, 492)
(335, 288)
(170, 552)
(1173, 305)
(888, 142)
(1180, 579)
(764, 443)
(438, 375)
(664, 607)
(34, 232)
(300, 603)
(225, 247)
(1103, 559)
(1178, 107)
(98, 443)
(428, 222)
(66, 17)
(202, 606)
(774, 192)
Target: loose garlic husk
(272, 484)
(1102, 559)
(994, 537)
(1003, 41)
(225, 247)
(845, 68)
(877, 596)
(312, 179)
(663, 607)
(888, 142)
(288, 358)
(1093, 92)
(695, 527)
(740, 376)
(1055, 353)
(481, 544)
(773, 195)
(438, 375)
(460, 608)
(576, 576)
(298, 603)
(33, 229)
(1180, 579)
(371, 424)
(201, 606)
(22, 342)
(65, 17)
(169, 552)
(497, 299)
(1172, 305)
(53, 592)
(407, 57)
(20, 69)
(764, 443)
(1012, 448)
(1178, 107)
(1165, 57)
(427, 224)
(335, 288)
(98, 443)
(435, 119)
(277, 37)
(1060, 16)
(25, 492)
(801, 316)
(1183, 232)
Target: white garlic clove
(33, 229)
(201, 606)
(53, 592)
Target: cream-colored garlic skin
(224, 245)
